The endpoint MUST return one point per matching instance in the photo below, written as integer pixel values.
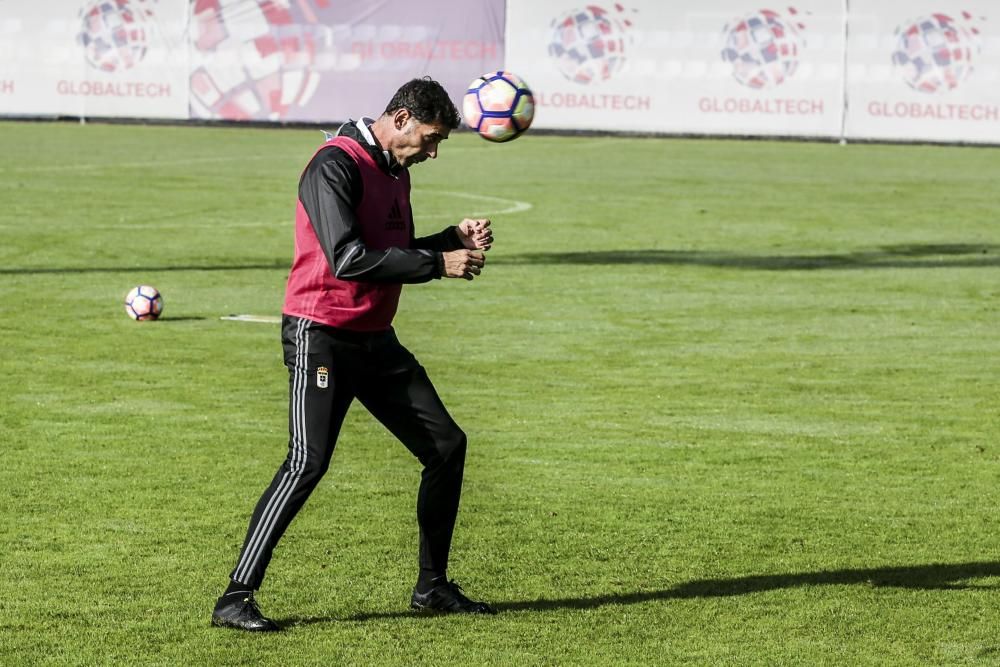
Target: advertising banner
(320, 60)
(916, 70)
(125, 58)
(924, 70)
(713, 67)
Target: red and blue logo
(764, 47)
(115, 34)
(936, 53)
(590, 45)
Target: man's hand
(475, 234)
(463, 264)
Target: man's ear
(400, 117)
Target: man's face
(417, 141)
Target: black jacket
(330, 190)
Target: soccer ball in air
(143, 303)
(499, 106)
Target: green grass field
(728, 403)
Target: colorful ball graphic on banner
(589, 44)
(763, 48)
(935, 53)
(115, 33)
(252, 60)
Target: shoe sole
(217, 623)
(432, 610)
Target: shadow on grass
(921, 577)
(954, 576)
(910, 256)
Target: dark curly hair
(427, 101)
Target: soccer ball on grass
(143, 303)
(499, 106)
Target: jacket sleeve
(443, 241)
(330, 189)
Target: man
(354, 249)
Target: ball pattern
(588, 44)
(252, 60)
(499, 106)
(114, 34)
(143, 303)
(763, 49)
(935, 53)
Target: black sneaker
(241, 612)
(448, 598)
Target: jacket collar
(360, 131)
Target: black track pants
(328, 368)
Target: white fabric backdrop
(73, 57)
(924, 70)
(713, 67)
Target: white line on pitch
(511, 206)
(135, 165)
(514, 205)
(263, 319)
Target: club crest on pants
(322, 377)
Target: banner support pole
(844, 73)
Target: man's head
(418, 118)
